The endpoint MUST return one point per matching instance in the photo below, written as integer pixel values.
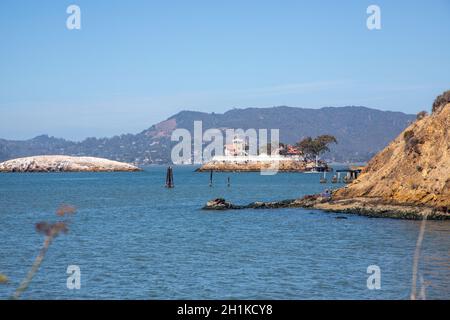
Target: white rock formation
(64, 164)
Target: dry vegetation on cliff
(414, 168)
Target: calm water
(134, 239)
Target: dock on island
(349, 174)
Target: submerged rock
(64, 164)
(218, 204)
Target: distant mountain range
(361, 132)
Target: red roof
(293, 150)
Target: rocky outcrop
(64, 164)
(255, 166)
(441, 101)
(219, 204)
(370, 207)
(414, 168)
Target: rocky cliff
(414, 168)
(64, 164)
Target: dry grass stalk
(51, 231)
(416, 262)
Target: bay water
(132, 238)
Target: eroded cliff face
(412, 169)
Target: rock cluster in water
(64, 164)
(371, 207)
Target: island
(303, 157)
(261, 163)
(409, 179)
(59, 163)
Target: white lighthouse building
(236, 148)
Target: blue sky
(135, 63)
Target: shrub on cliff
(411, 142)
(421, 115)
(441, 100)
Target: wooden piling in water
(169, 178)
(324, 178)
(211, 178)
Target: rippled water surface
(134, 239)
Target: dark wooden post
(169, 178)
(324, 178)
(211, 178)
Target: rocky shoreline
(257, 166)
(58, 163)
(370, 207)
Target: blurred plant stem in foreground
(51, 231)
(3, 279)
(416, 264)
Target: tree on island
(313, 148)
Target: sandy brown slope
(412, 169)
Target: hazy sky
(135, 63)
